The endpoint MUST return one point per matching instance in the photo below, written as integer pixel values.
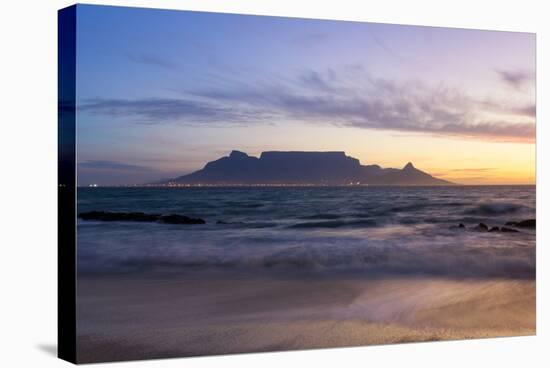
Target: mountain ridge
(302, 168)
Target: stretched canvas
(236, 183)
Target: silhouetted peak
(302, 154)
(237, 154)
(303, 167)
(409, 166)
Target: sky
(162, 92)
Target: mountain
(316, 168)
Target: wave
(321, 216)
(461, 262)
(249, 225)
(496, 209)
(334, 224)
(244, 204)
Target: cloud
(528, 110)
(314, 80)
(349, 97)
(112, 165)
(153, 61)
(158, 110)
(474, 170)
(353, 99)
(516, 79)
(105, 172)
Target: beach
(147, 317)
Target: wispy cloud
(516, 79)
(474, 170)
(158, 110)
(112, 165)
(527, 110)
(348, 97)
(107, 172)
(465, 175)
(153, 60)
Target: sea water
(312, 230)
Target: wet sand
(125, 318)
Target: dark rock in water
(508, 230)
(494, 228)
(118, 216)
(96, 215)
(531, 224)
(460, 226)
(138, 217)
(180, 219)
(482, 227)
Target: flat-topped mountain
(312, 168)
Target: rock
(508, 230)
(459, 226)
(138, 217)
(494, 228)
(118, 216)
(93, 215)
(482, 227)
(180, 219)
(531, 224)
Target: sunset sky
(160, 93)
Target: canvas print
(254, 183)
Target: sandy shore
(124, 318)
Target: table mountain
(307, 168)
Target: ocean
(371, 231)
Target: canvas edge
(66, 189)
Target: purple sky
(161, 92)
